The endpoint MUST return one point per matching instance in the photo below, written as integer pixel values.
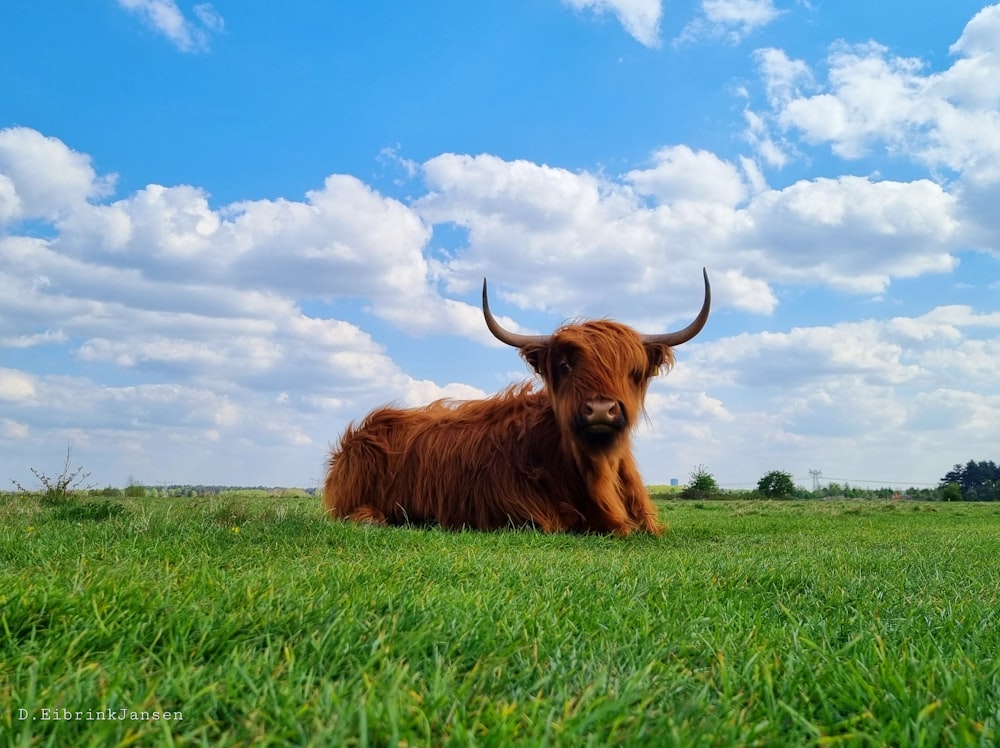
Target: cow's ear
(660, 357)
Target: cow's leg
(559, 517)
(608, 513)
(641, 509)
(367, 514)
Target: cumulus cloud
(13, 430)
(846, 396)
(553, 234)
(16, 385)
(872, 98)
(641, 18)
(198, 306)
(548, 232)
(41, 178)
(853, 233)
(208, 324)
(167, 19)
(681, 173)
(729, 19)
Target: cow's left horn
(506, 336)
(683, 336)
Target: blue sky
(228, 229)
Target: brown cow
(558, 458)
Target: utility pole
(816, 475)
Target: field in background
(771, 623)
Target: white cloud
(166, 18)
(553, 234)
(343, 240)
(40, 178)
(870, 400)
(30, 341)
(784, 79)
(209, 17)
(16, 385)
(745, 15)
(681, 173)
(730, 19)
(851, 233)
(190, 317)
(157, 288)
(872, 98)
(10, 429)
(641, 18)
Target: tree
(978, 481)
(776, 484)
(702, 485)
(951, 492)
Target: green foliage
(134, 491)
(88, 511)
(853, 628)
(951, 492)
(776, 485)
(977, 481)
(701, 486)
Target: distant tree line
(134, 490)
(974, 481)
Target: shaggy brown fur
(525, 456)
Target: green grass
(770, 623)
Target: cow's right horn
(683, 336)
(506, 336)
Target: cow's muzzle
(599, 421)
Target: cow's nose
(600, 410)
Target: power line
(883, 482)
(852, 481)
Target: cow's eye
(565, 368)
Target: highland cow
(558, 458)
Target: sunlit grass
(771, 623)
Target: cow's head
(597, 372)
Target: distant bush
(776, 485)
(702, 486)
(64, 494)
(951, 492)
(63, 488)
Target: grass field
(259, 622)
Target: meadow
(249, 621)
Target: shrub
(951, 492)
(63, 488)
(776, 485)
(63, 494)
(702, 485)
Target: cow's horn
(506, 336)
(683, 336)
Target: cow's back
(485, 463)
